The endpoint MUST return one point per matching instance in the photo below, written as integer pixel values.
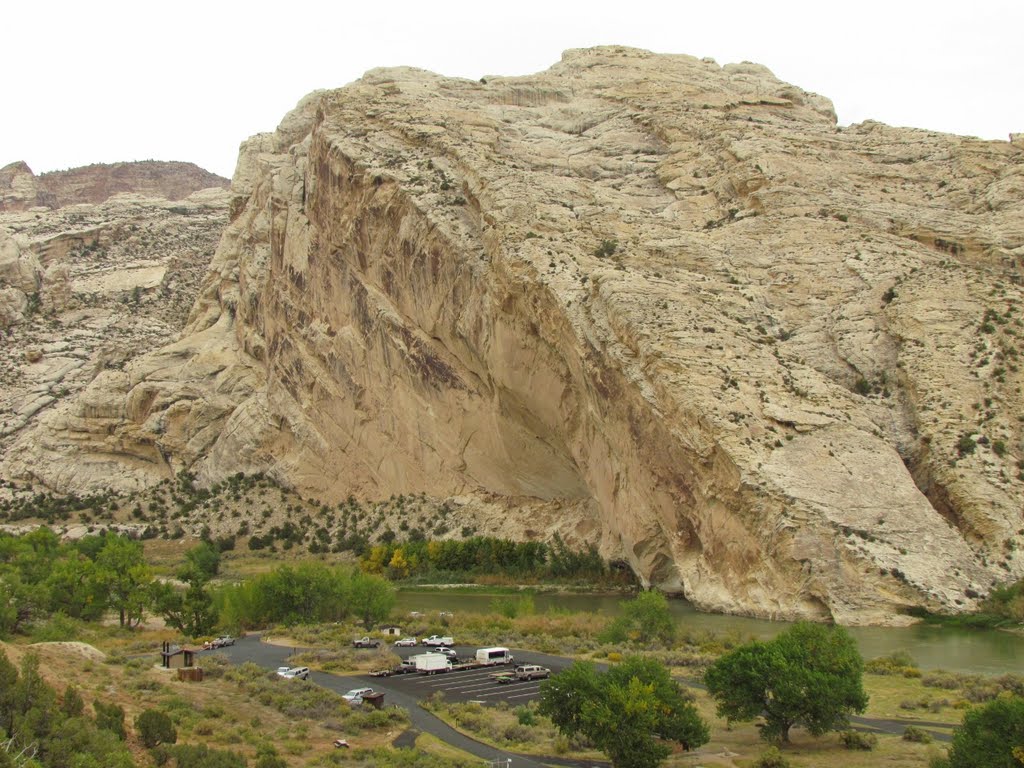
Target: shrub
(858, 740)
(917, 735)
(525, 716)
(155, 728)
(110, 717)
(771, 758)
(606, 248)
(965, 445)
(898, 663)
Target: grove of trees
(306, 593)
(483, 554)
(811, 675)
(41, 576)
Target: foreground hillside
(647, 301)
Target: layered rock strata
(87, 288)
(21, 189)
(772, 363)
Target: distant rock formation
(20, 189)
(772, 363)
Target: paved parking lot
(470, 684)
(467, 685)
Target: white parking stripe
(501, 692)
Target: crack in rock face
(663, 306)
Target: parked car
(439, 640)
(406, 642)
(449, 652)
(282, 670)
(219, 642)
(532, 672)
(295, 673)
(366, 642)
(355, 696)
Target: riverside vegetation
(63, 590)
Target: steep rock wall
(769, 362)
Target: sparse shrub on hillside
(858, 740)
(154, 728)
(771, 758)
(917, 735)
(606, 248)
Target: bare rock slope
(86, 288)
(21, 189)
(772, 363)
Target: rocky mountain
(648, 301)
(20, 189)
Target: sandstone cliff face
(20, 189)
(86, 288)
(771, 363)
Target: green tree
(371, 598)
(192, 612)
(990, 735)
(154, 728)
(125, 578)
(630, 712)
(645, 619)
(74, 588)
(810, 675)
(202, 563)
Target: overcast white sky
(105, 81)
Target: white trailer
(429, 663)
(491, 656)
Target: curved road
(401, 690)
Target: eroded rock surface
(85, 289)
(772, 363)
(21, 189)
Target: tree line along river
(979, 651)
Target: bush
(858, 740)
(898, 663)
(155, 728)
(525, 716)
(110, 717)
(965, 445)
(771, 758)
(917, 735)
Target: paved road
(474, 685)
(272, 656)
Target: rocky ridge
(772, 363)
(21, 189)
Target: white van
(489, 656)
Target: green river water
(933, 647)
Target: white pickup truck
(438, 640)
